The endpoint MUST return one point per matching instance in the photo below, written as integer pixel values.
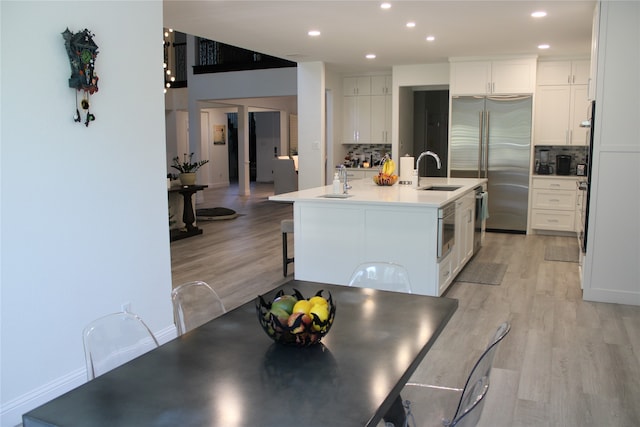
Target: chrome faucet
(426, 153)
(345, 186)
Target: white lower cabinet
(445, 272)
(463, 248)
(553, 204)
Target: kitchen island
(334, 233)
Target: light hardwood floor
(566, 362)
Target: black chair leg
(284, 254)
(285, 257)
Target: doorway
(431, 129)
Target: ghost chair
(195, 303)
(472, 396)
(386, 276)
(113, 340)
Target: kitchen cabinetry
(356, 86)
(561, 103)
(361, 173)
(509, 76)
(563, 72)
(367, 110)
(553, 204)
(559, 111)
(357, 120)
(465, 214)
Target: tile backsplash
(368, 152)
(578, 154)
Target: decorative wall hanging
(82, 52)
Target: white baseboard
(609, 296)
(11, 411)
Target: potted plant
(187, 168)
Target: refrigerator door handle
(486, 148)
(480, 141)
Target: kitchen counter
(365, 191)
(398, 223)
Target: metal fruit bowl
(294, 330)
(385, 180)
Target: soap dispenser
(336, 183)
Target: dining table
(230, 373)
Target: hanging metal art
(82, 52)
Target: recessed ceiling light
(543, 46)
(539, 14)
(411, 24)
(385, 5)
(314, 33)
(430, 38)
(371, 56)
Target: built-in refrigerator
(491, 138)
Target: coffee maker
(563, 164)
(543, 167)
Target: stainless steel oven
(446, 229)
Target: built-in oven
(446, 229)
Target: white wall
(83, 211)
(311, 124)
(612, 270)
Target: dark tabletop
(229, 373)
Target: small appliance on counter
(543, 167)
(563, 164)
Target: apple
(298, 322)
(285, 302)
(279, 317)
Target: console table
(188, 216)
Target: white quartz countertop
(365, 191)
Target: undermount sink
(442, 188)
(336, 196)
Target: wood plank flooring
(566, 362)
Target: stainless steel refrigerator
(491, 138)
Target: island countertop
(367, 192)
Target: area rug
(215, 214)
(484, 273)
(562, 253)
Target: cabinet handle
(489, 87)
(493, 87)
(552, 220)
(554, 185)
(554, 200)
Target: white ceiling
(351, 29)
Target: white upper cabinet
(356, 86)
(367, 110)
(559, 111)
(561, 103)
(508, 76)
(563, 72)
(380, 85)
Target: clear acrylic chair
(472, 398)
(113, 340)
(386, 276)
(195, 303)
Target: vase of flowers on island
(187, 168)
